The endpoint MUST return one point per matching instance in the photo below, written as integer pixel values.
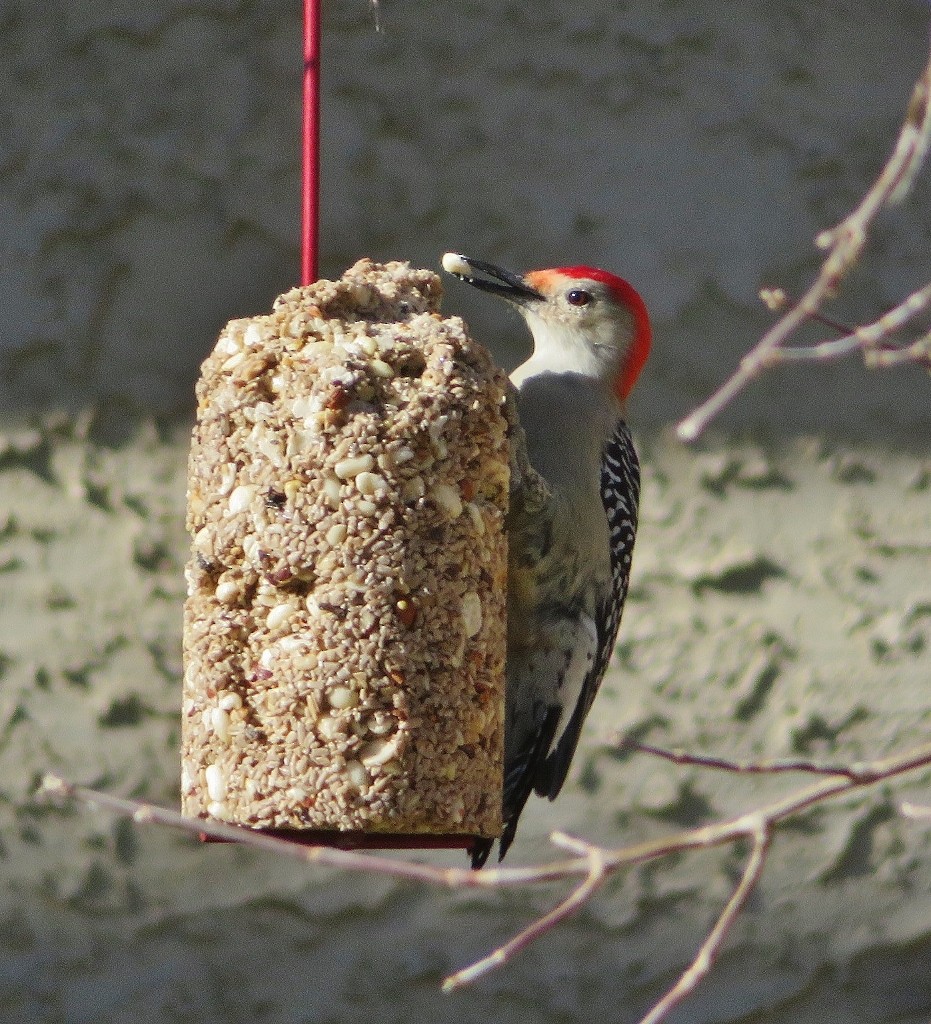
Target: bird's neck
(558, 349)
(565, 411)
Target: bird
(573, 513)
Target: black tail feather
(479, 852)
(521, 776)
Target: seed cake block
(344, 632)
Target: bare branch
(593, 863)
(917, 352)
(843, 243)
(770, 766)
(711, 947)
(349, 860)
(577, 898)
(872, 339)
(916, 133)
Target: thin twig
(823, 352)
(916, 135)
(917, 352)
(325, 856)
(872, 338)
(770, 766)
(711, 947)
(576, 899)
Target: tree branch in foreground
(593, 864)
(862, 773)
(844, 244)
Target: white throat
(558, 348)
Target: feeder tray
(344, 633)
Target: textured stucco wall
(148, 192)
(149, 170)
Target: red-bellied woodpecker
(573, 515)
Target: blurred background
(149, 162)
(149, 174)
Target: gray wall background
(149, 177)
(149, 192)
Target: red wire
(310, 147)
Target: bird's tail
(522, 775)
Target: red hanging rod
(310, 145)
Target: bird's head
(582, 319)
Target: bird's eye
(578, 297)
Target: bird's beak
(496, 280)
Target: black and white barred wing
(620, 493)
